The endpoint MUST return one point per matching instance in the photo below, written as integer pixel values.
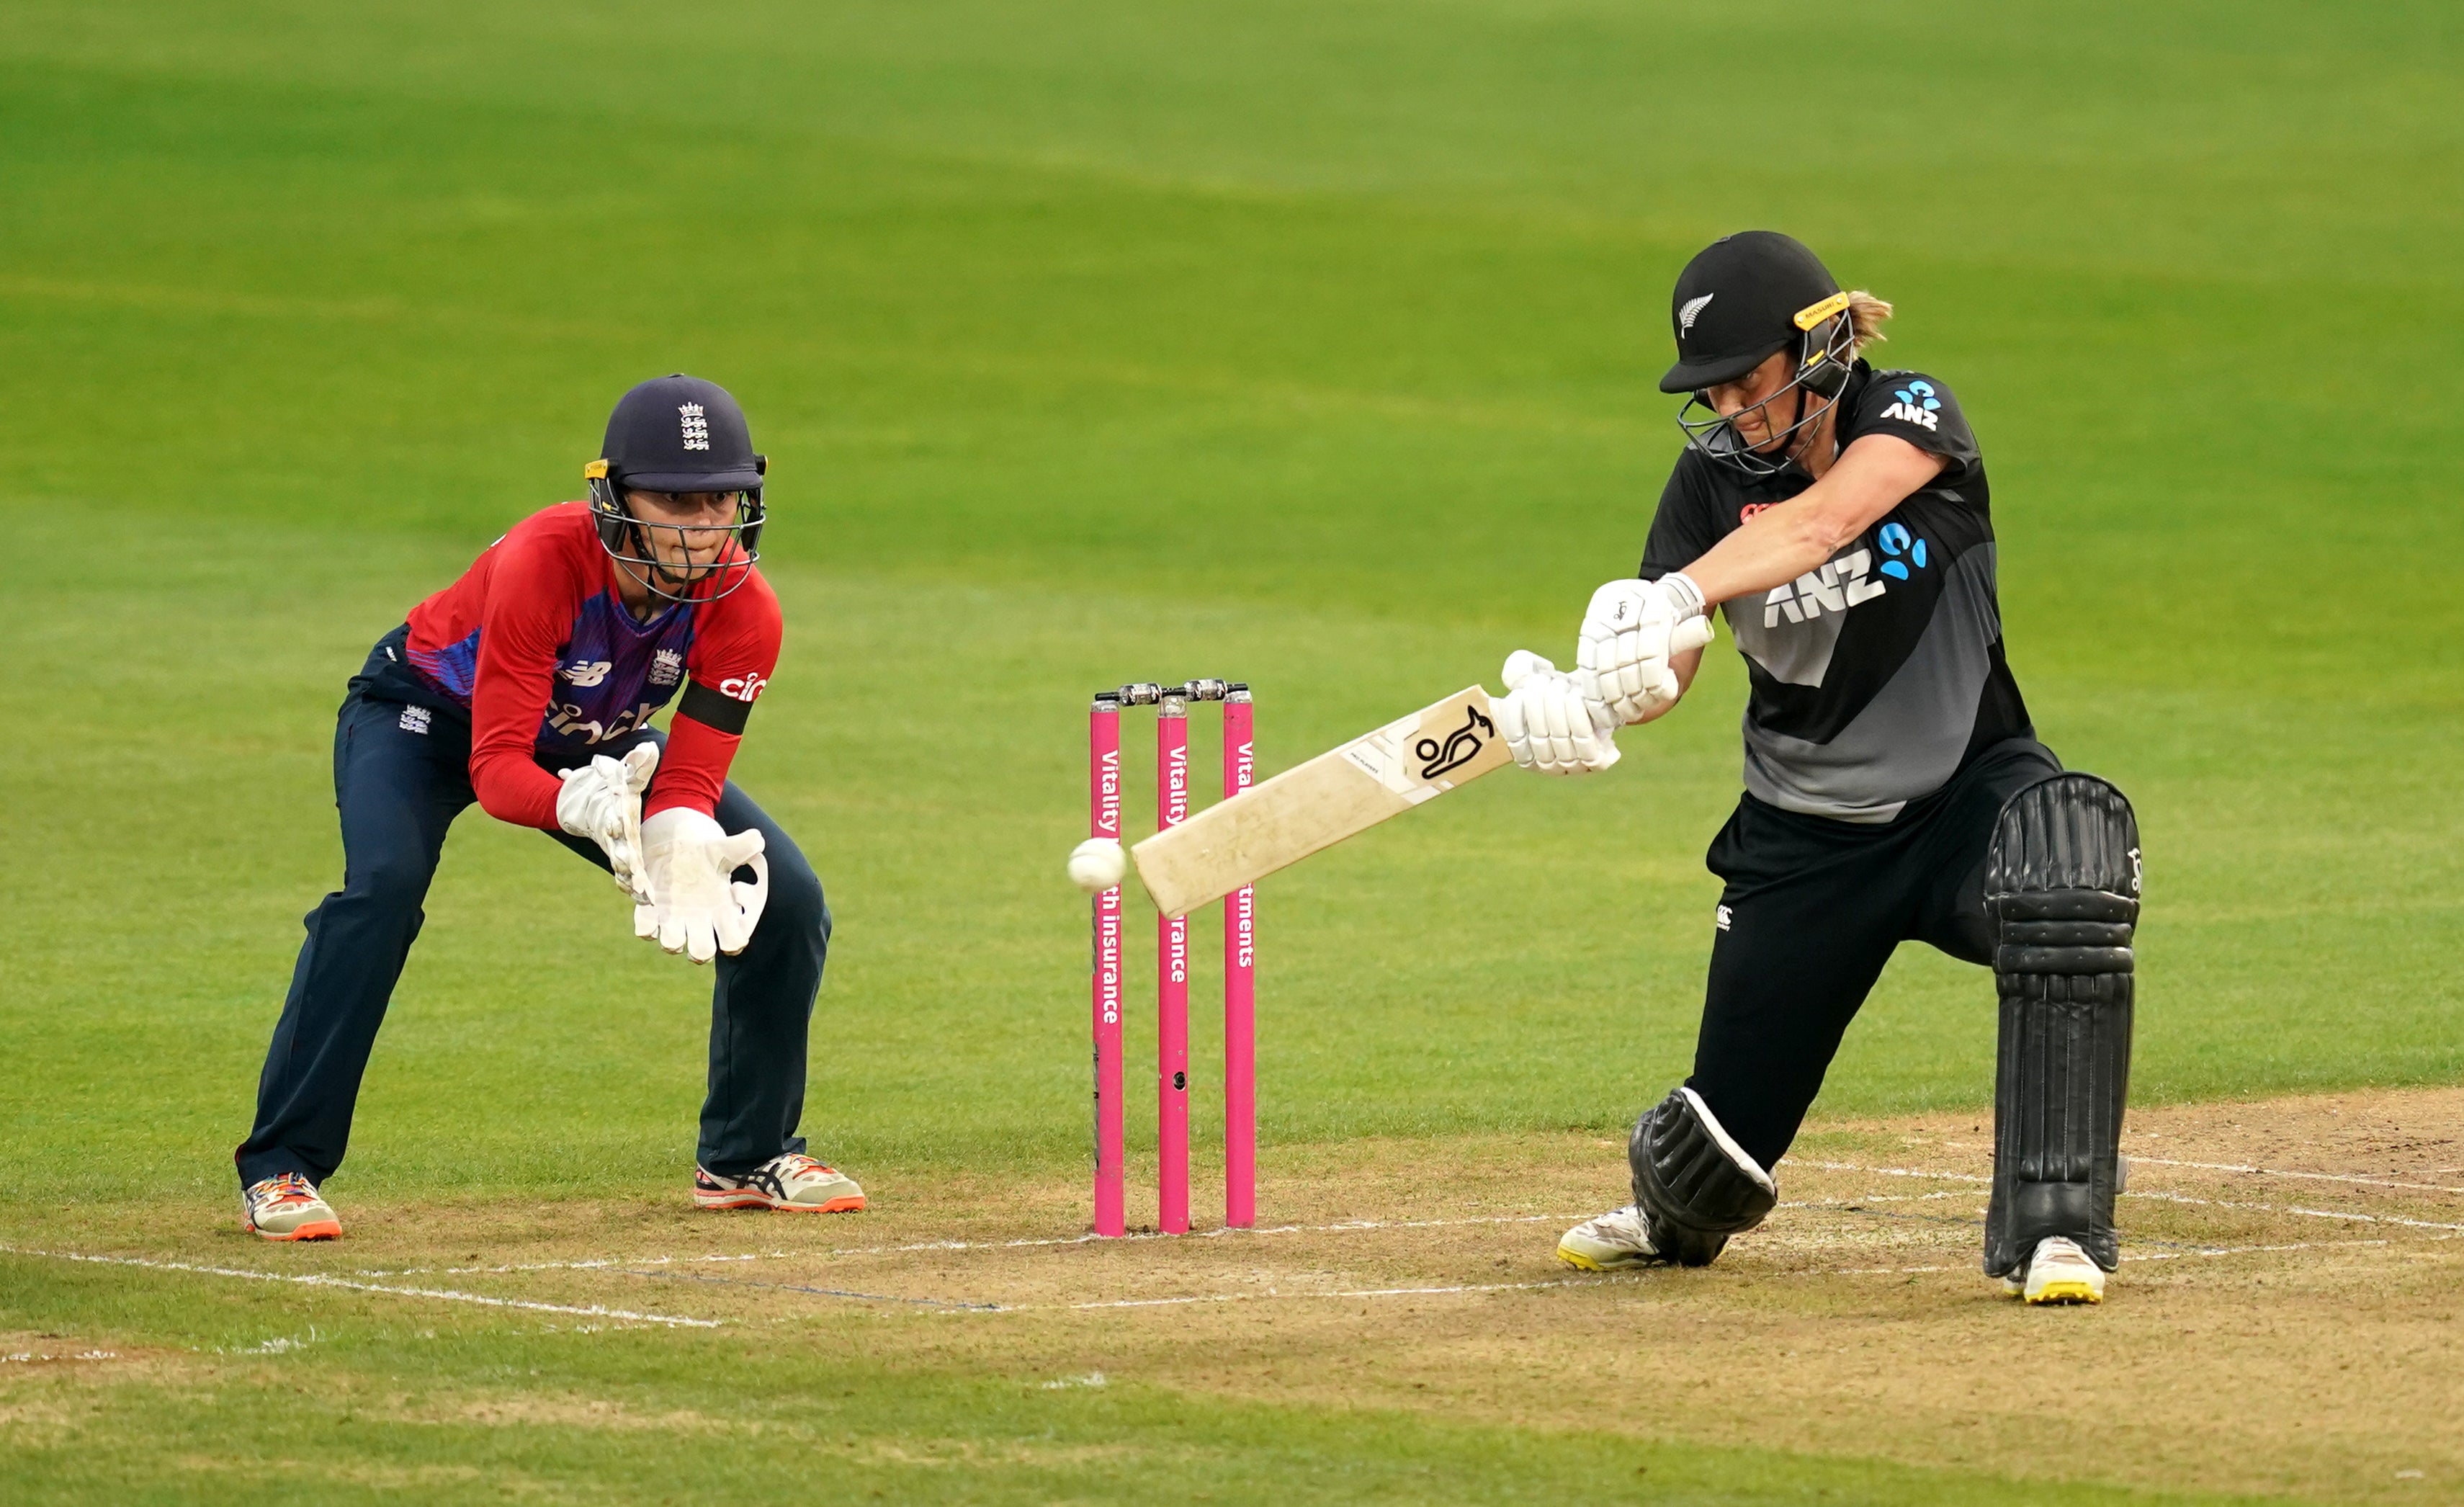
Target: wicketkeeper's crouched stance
(1894, 786)
(527, 686)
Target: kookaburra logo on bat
(1461, 745)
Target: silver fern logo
(1692, 310)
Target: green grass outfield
(1313, 344)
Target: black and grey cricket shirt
(1875, 676)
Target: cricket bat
(1318, 804)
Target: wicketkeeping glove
(1629, 631)
(603, 801)
(1549, 724)
(696, 907)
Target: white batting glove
(1551, 726)
(603, 801)
(695, 907)
(1629, 633)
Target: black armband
(713, 709)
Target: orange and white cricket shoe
(287, 1208)
(793, 1181)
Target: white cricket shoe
(1615, 1239)
(287, 1208)
(2059, 1272)
(792, 1181)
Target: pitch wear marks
(1877, 677)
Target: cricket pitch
(2283, 1319)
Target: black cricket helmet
(1741, 301)
(678, 433)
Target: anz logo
(1848, 580)
(1917, 406)
(1896, 541)
(1836, 587)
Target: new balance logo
(1836, 587)
(586, 672)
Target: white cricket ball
(1097, 864)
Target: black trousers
(402, 773)
(1812, 910)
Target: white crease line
(2218, 1250)
(2126, 1256)
(2310, 1213)
(2318, 1177)
(2139, 1160)
(587, 1264)
(1608, 1279)
(446, 1295)
(1365, 1292)
(1851, 1166)
(1880, 1271)
(1853, 1203)
(1348, 1227)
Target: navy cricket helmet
(678, 434)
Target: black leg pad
(2063, 880)
(1696, 1186)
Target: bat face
(1318, 804)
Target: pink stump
(1171, 983)
(1240, 994)
(1104, 820)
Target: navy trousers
(402, 773)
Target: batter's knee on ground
(2062, 877)
(1695, 1185)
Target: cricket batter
(1895, 788)
(528, 686)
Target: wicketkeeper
(1895, 788)
(528, 686)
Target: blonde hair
(1866, 313)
